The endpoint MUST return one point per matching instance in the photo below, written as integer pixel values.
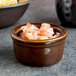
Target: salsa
(31, 32)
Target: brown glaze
(10, 14)
(39, 52)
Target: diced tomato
(31, 38)
(46, 25)
(50, 30)
(43, 34)
(28, 35)
(30, 31)
(43, 37)
(57, 33)
(38, 38)
(29, 25)
(42, 30)
(35, 34)
(23, 36)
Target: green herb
(29, 32)
(39, 33)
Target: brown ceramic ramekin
(39, 52)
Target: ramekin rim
(39, 41)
